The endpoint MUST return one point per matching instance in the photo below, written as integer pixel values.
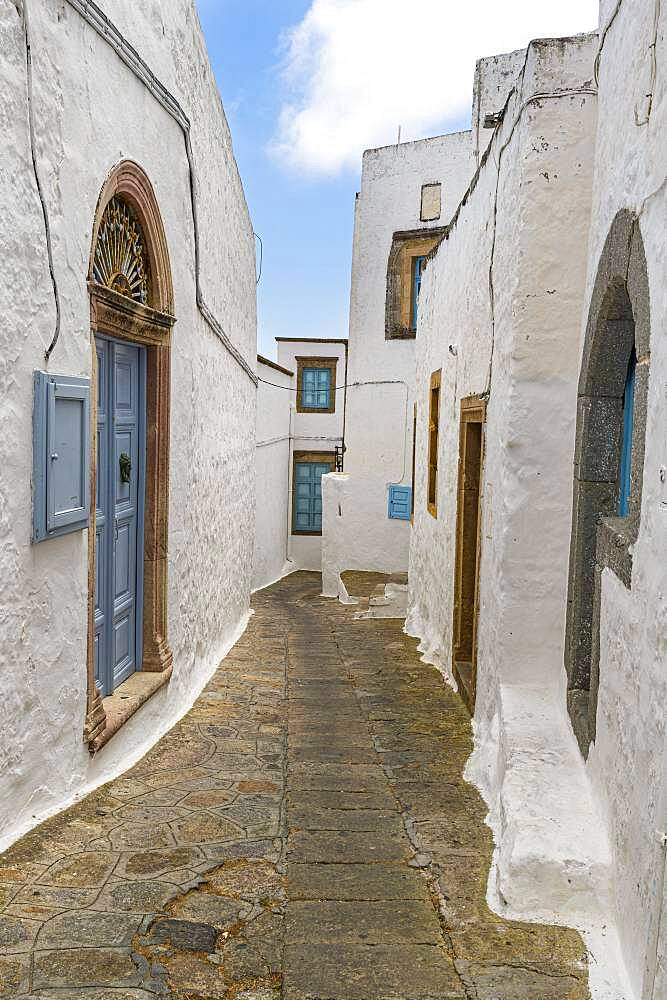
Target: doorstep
(126, 700)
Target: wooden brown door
(468, 527)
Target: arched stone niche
(145, 319)
(618, 324)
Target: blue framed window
(625, 475)
(417, 271)
(316, 388)
(307, 496)
(400, 503)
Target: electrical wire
(103, 26)
(603, 39)
(261, 256)
(346, 385)
(552, 95)
(654, 69)
(353, 385)
(38, 182)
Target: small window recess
(431, 202)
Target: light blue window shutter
(400, 502)
(61, 454)
(416, 287)
(309, 387)
(308, 496)
(323, 387)
(319, 471)
(316, 388)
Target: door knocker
(125, 464)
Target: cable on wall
(354, 385)
(128, 55)
(38, 182)
(343, 385)
(553, 95)
(644, 119)
(603, 39)
(261, 256)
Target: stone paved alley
(304, 832)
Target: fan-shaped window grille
(121, 259)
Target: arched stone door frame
(618, 322)
(148, 325)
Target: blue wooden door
(120, 501)
(307, 514)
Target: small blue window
(61, 454)
(400, 502)
(307, 504)
(625, 476)
(316, 388)
(417, 271)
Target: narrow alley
(304, 832)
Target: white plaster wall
(627, 764)
(378, 434)
(275, 412)
(313, 431)
(90, 112)
(526, 226)
(495, 77)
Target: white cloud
(356, 69)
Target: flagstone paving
(304, 833)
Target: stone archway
(618, 331)
(137, 310)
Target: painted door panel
(121, 446)
(101, 517)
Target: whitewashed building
(300, 431)
(273, 447)
(537, 566)
(128, 390)
(408, 195)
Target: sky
(307, 85)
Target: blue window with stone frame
(625, 475)
(307, 496)
(316, 388)
(417, 271)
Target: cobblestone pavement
(304, 832)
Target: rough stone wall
(378, 433)
(90, 112)
(627, 764)
(275, 414)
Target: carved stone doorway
(131, 299)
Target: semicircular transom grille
(121, 261)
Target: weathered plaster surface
(378, 434)
(275, 414)
(495, 77)
(501, 314)
(89, 113)
(627, 764)
(312, 432)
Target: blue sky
(305, 222)
(308, 84)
